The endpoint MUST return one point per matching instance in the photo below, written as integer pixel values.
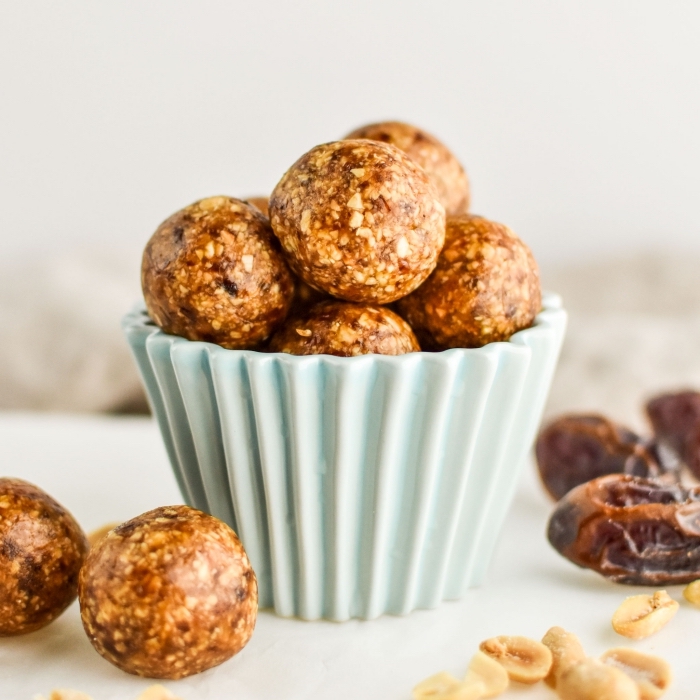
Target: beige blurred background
(577, 123)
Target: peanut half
(692, 592)
(566, 651)
(157, 692)
(487, 670)
(153, 692)
(443, 686)
(591, 679)
(642, 615)
(651, 674)
(524, 659)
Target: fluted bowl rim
(138, 321)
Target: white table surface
(107, 469)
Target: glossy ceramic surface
(359, 486)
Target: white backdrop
(578, 122)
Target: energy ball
(358, 220)
(41, 551)
(345, 329)
(485, 287)
(214, 272)
(305, 296)
(441, 166)
(260, 203)
(168, 594)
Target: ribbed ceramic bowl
(358, 486)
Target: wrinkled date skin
(675, 419)
(630, 530)
(577, 448)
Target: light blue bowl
(358, 485)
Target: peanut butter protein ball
(358, 220)
(345, 329)
(439, 163)
(485, 287)
(214, 272)
(168, 594)
(41, 551)
(305, 297)
(260, 203)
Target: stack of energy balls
(365, 246)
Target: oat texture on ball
(345, 329)
(485, 288)
(41, 551)
(168, 594)
(214, 272)
(439, 163)
(359, 220)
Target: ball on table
(168, 594)
(41, 551)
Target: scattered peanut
(96, 535)
(591, 679)
(65, 694)
(153, 692)
(651, 674)
(566, 651)
(157, 692)
(692, 592)
(435, 685)
(487, 670)
(524, 659)
(642, 615)
(443, 686)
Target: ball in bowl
(260, 203)
(359, 220)
(168, 594)
(345, 329)
(440, 164)
(305, 297)
(41, 551)
(214, 272)
(485, 287)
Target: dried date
(630, 530)
(577, 448)
(692, 452)
(675, 419)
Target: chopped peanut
(591, 679)
(651, 673)
(642, 615)
(524, 659)
(443, 686)
(487, 670)
(692, 592)
(566, 651)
